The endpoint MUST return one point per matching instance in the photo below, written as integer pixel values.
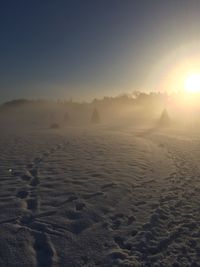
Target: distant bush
(54, 126)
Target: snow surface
(99, 197)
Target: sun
(192, 83)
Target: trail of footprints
(32, 219)
(31, 178)
(45, 252)
(29, 192)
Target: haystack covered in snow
(164, 120)
(66, 117)
(95, 117)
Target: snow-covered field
(99, 197)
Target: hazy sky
(89, 48)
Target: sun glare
(192, 83)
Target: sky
(82, 49)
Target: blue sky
(85, 48)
